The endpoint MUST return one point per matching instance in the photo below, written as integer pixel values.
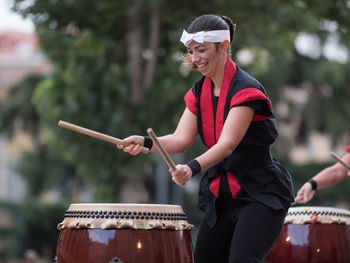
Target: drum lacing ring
(322, 213)
(125, 215)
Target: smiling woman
(209, 60)
(245, 193)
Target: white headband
(205, 36)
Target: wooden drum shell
(316, 238)
(126, 241)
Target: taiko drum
(313, 235)
(124, 233)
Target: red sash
(207, 113)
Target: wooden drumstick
(297, 199)
(161, 149)
(340, 160)
(95, 134)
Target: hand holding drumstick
(132, 144)
(180, 173)
(329, 176)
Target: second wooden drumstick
(161, 149)
(340, 160)
(94, 134)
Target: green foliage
(88, 44)
(43, 170)
(40, 223)
(328, 95)
(90, 88)
(34, 226)
(16, 112)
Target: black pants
(244, 232)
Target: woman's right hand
(133, 144)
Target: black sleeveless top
(253, 174)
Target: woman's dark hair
(209, 23)
(212, 22)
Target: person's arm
(327, 177)
(177, 142)
(235, 127)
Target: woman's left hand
(182, 174)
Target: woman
(327, 177)
(245, 193)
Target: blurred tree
(328, 109)
(118, 69)
(40, 168)
(33, 223)
(16, 112)
(34, 226)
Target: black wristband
(148, 143)
(195, 166)
(313, 184)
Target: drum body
(313, 235)
(124, 233)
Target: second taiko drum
(313, 235)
